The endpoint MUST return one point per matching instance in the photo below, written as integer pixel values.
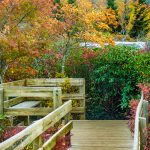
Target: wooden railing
(32, 134)
(22, 94)
(141, 122)
(42, 88)
(56, 82)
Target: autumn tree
(20, 21)
(132, 16)
(29, 27)
(11, 19)
(78, 22)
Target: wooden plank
(30, 134)
(143, 133)
(52, 141)
(82, 91)
(56, 115)
(101, 135)
(38, 98)
(51, 119)
(54, 82)
(145, 110)
(96, 148)
(29, 91)
(13, 101)
(14, 83)
(76, 96)
(27, 111)
(136, 128)
(27, 104)
(80, 82)
(78, 110)
(38, 142)
(1, 102)
(55, 103)
(59, 97)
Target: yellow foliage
(49, 103)
(60, 75)
(67, 87)
(91, 23)
(76, 103)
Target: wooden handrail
(140, 124)
(45, 88)
(34, 131)
(51, 142)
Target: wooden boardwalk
(101, 135)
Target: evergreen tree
(141, 24)
(57, 1)
(111, 4)
(71, 1)
(142, 1)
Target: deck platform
(27, 104)
(101, 135)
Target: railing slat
(37, 128)
(63, 131)
(141, 120)
(1, 102)
(145, 109)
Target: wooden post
(37, 143)
(143, 132)
(54, 99)
(82, 91)
(67, 136)
(59, 97)
(28, 120)
(1, 102)
(145, 109)
(67, 118)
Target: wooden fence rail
(141, 122)
(32, 133)
(14, 83)
(28, 101)
(57, 82)
(1, 102)
(41, 89)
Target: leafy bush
(4, 122)
(47, 65)
(133, 107)
(113, 81)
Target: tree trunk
(1, 79)
(63, 65)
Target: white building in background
(138, 45)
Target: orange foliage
(28, 27)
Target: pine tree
(57, 1)
(71, 1)
(111, 4)
(141, 24)
(142, 1)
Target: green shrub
(114, 81)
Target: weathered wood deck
(101, 135)
(27, 104)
